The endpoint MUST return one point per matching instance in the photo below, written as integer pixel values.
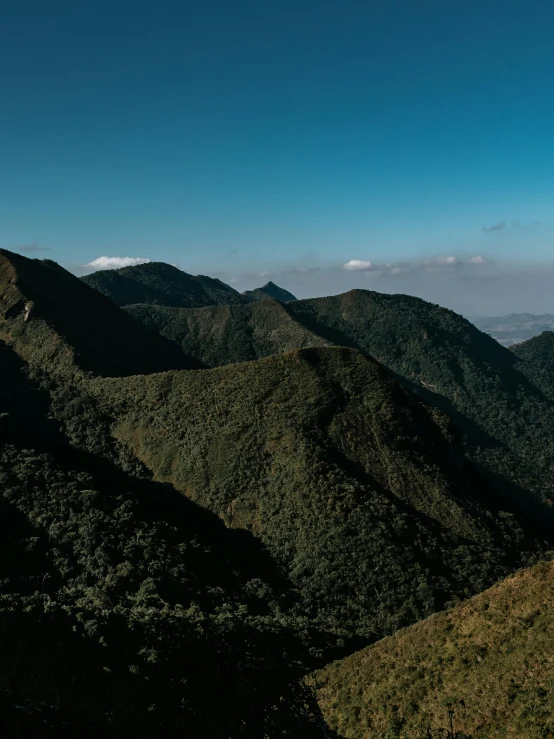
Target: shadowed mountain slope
(158, 283)
(117, 592)
(350, 506)
(225, 334)
(55, 319)
(536, 361)
(488, 659)
(268, 291)
(506, 416)
(359, 491)
(506, 419)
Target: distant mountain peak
(270, 291)
(159, 283)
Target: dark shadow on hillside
(107, 341)
(333, 335)
(24, 421)
(478, 499)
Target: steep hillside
(536, 361)
(225, 334)
(359, 491)
(507, 421)
(56, 320)
(158, 283)
(502, 406)
(516, 327)
(125, 607)
(268, 291)
(489, 661)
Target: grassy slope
(158, 283)
(357, 489)
(493, 652)
(225, 334)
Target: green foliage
(126, 608)
(360, 492)
(536, 361)
(506, 420)
(504, 407)
(174, 536)
(157, 283)
(226, 334)
(483, 669)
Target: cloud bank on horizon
(471, 285)
(474, 285)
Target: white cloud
(357, 264)
(116, 262)
(478, 260)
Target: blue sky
(270, 137)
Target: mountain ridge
(70, 318)
(158, 283)
(487, 389)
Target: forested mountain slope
(359, 491)
(54, 318)
(507, 420)
(489, 660)
(269, 291)
(225, 334)
(158, 283)
(126, 608)
(505, 414)
(350, 506)
(536, 361)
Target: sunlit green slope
(490, 660)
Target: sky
(392, 145)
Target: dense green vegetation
(269, 291)
(226, 334)
(169, 537)
(536, 361)
(360, 492)
(503, 410)
(162, 284)
(489, 660)
(507, 422)
(126, 608)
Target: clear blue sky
(237, 136)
